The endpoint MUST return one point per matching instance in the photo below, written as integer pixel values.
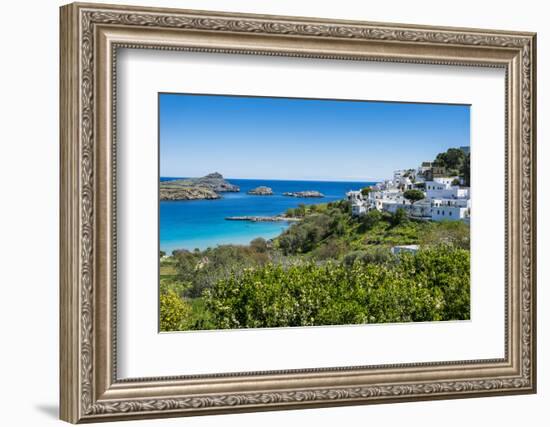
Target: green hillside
(328, 268)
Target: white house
(448, 180)
(462, 203)
(441, 188)
(443, 201)
(418, 210)
(404, 248)
(358, 205)
(450, 213)
(354, 196)
(403, 179)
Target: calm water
(190, 224)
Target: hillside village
(435, 191)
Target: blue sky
(292, 138)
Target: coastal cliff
(187, 193)
(206, 187)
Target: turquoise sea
(191, 224)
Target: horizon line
(278, 179)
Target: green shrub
(202, 269)
(370, 219)
(259, 245)
(372, 255)
(399, 217)
(446, 269)
(175, 313)
(455, 233)
(305, 236)
(330, 249)
(432, 285)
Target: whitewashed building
(450, 209)
(442, 188)
(358, 205)
(418, 210)
(443, 201)
(450, 213)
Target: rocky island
(304, 194)
(206, 187)
(275, 218)
(261, 191)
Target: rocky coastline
(275, 218)
(261, 191)
(207, 187)
(188, 193)
(304, 194)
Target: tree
(455, 182)
(368, 221)
(413, 196)
(162, 254)
(465, 170)
(259, 244)
(366, 191)
(452, 159)
(399, 217)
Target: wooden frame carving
(90, 36)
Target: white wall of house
(449, 213)
(463, 203)
(354, 196)
(444, 190)
(445, 180)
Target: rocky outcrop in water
(206, 187)
(261, 191)
(304, 194)
(276, 218)
(187, 193)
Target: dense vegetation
(428, 286)
(455, 162)
(329, 268)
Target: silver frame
(90, 37)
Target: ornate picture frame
(90, 37)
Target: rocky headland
(206, 187)
(261, 191)
(304, 194)
(187, 193)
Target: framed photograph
(265, 212)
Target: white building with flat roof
(358, 204)
(450, 213)
(443, 201)
(445, 190)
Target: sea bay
(190, 224)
